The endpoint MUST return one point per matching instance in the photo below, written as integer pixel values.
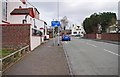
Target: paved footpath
(44, 60)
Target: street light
(58, 20)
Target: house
(19, 15)
(77, 30)
(50, 32)
(114, 28)
(7, 6)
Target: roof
(45, 23)
(23, 11)
(23, 1)
(37, 10)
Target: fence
(9, 60)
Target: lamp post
(58, 20)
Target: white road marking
(92, 45)
(111, 52)
(105, 50)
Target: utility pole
(58, 20)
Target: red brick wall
(111, 36)
(90, 36)
(105, 36)
(15, 35)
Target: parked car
(66, 38)
(78, 35)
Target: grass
(4, 52)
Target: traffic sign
(55, 23)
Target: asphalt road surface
(87, 57)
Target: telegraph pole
(58, 20)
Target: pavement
(44, 60)
(88, 57)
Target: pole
(58, 20)
(53, 38)
(58, 36)
(58, 10)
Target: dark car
(66, 38)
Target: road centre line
(111, 52)
(92, 45)
(105, 50)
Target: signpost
(55, 24)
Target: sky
(75, 10)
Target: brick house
(20, 24)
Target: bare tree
(64, 22)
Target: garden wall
(15, 36)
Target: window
(4, 10)
(36, 32)
(82, 32)
(75, 32)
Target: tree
(64, 22)
(105, 19)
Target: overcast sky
(75, 10)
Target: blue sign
(55, 23)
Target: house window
(82, 32)
(4, 10)
(36, 32)
(75, 32)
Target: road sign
(55, 23)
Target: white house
(114, 28)
(7, 6)
(78, 30)
(20, 12)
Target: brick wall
(15, 36)
(104, 36)
(111, 36)
(90, 36)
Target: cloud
(76, 11)
(72, 1)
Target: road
(87, 57)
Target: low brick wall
(104, 36)
(90, 36)
(111, 36)
(15, 36)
